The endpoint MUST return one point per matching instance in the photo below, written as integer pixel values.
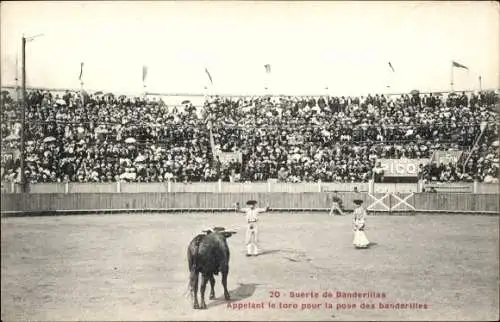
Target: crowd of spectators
(340, 138)
(106, 139)
(103, 138)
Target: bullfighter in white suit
(252, 234)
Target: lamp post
(23, 110)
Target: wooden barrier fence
(379, 202)
(253, 187)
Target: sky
(313, 47)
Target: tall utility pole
(23, 116)
(24, 104)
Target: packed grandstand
(107, 138)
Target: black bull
(208, 254)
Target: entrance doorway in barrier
(393, 195)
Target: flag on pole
(209, 76)
(81, 72)
(458, 65)
(268, 68)
(144, 72)
(390, 66)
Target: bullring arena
(98, 265)
(367, 134)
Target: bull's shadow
(243, 291)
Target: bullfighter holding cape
(251, 238)
(358, 221)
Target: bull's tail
(190, 285)
(187, 292)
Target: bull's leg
(194, 289)
(203, 286)
(224, 283)
(212, 287)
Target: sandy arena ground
(133, 267)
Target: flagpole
(81, 84)
(452, 78)
(81, 94)
(210, 92)
(266, 86)
(388, 80)
(265, 81)
(208, 87)
(144, 86)
(267, 67)
(211, 89)
(17, 76)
